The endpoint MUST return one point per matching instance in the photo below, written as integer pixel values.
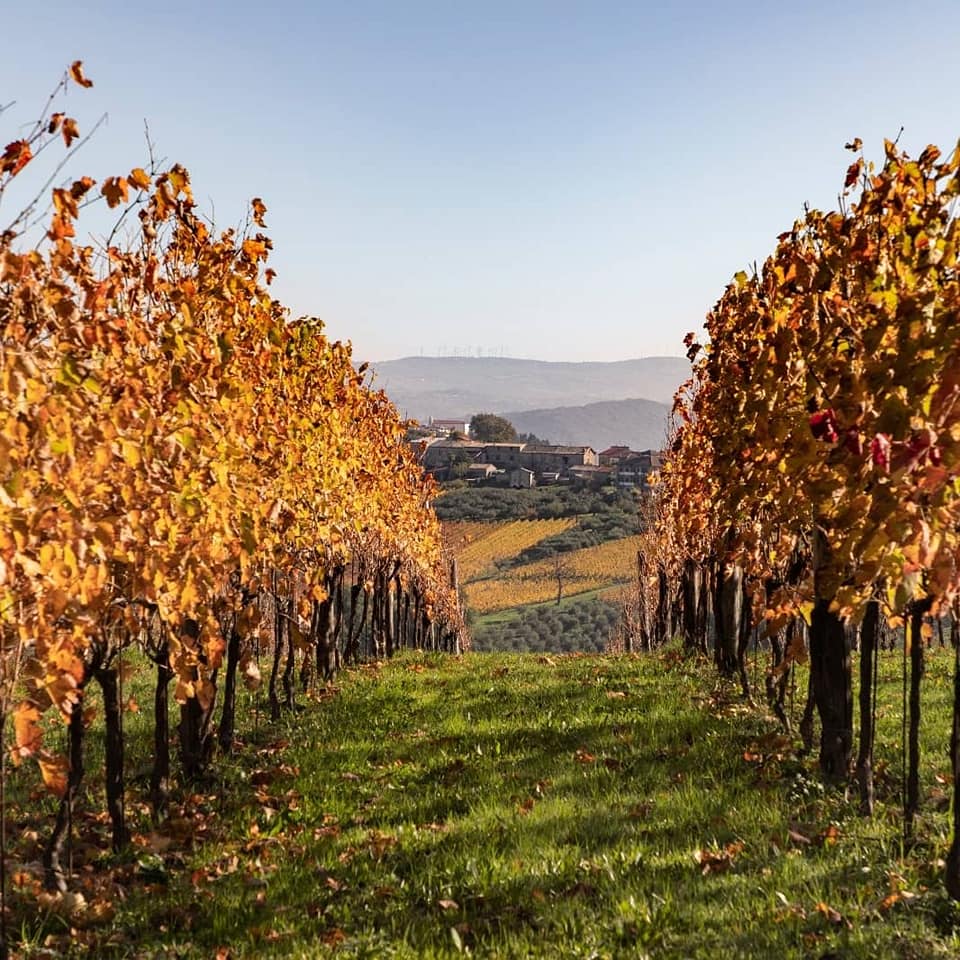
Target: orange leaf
(834, 916)
(54, 772)
(115, 190)
(139, 178)
(76, 72)
(27, 733)
(69, 130)
(15, 157)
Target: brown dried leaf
(76, 73)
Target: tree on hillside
(562, 569)
(490, 428)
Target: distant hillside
(447, 387)
(638, 424)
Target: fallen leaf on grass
(833, 916)
(379, 843)
(828, 837)
(434, 827)
(898, 896)
(717, 861)
(262, 778)
(584, 756)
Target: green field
(514, 806)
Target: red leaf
(880, 452)
(823, 425)
(853, 441)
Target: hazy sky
(563, 180)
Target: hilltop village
(447, 453)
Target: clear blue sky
(562, 180)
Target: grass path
(512, 806)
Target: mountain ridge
(455, 387)
(634, 422)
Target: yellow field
(491, 542)
(458, 534)
(587, 569)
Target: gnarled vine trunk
(832, 689)
(917, 611)
(952, 872)
(869, 643)
(53, 853)
(107, 678)
(729, 611)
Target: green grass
(511, 806)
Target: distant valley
(600, 404)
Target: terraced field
(486, 544)
(579, 571)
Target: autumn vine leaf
(77, 75)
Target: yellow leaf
(131, 453)
(36, 391)
(188, 595)
(48, 556)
